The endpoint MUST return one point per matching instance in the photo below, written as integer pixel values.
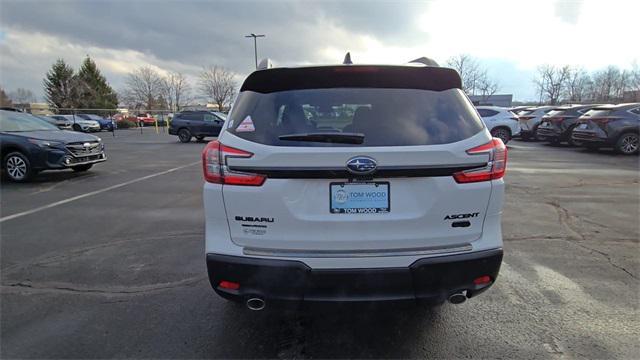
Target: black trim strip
(343, 173)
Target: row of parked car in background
(592, 126)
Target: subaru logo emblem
(361, 165)
(86, 145)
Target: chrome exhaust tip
(458, 298)
(255, 304)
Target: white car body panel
(304, 229)
(504, 118)
(528, 124)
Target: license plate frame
(363, 203)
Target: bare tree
(176, 91)
(143, 88)
(217, 84)
(578, 85)
(551, 81)
(469, 70)
(22, 96)
(486, 86)
(607, 83)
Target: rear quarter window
(487, 112)
(386, 117)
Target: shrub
(126, 124)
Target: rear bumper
(293, 282)
(589, 136)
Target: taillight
(214, 165)
(495, 168)
(602, 121)
(555, 120)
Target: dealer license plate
(359, 198)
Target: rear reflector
(214, 166)
(229, 285)
(495, 168)
(482, 280)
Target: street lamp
(255, 45)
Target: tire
(503, 134)
(77, 128)
(627, 143)
(81, 168)
(184, 135)
(17, 167)
(199, 137)
(525, 137)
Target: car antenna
(347, 59)
(265, 63)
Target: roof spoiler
(424, 61)
(265, 63)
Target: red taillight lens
(602, 121)
(229, 285)
(496, 166)
(482, 280)
(555, 120)
(214, 166)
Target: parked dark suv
(612, 125)
(557, 124)
(200, 124)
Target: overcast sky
(509, 37)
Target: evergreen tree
(95, 92)
(61, 86)
(4, 99)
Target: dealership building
(503, 100)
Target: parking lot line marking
(96, 192)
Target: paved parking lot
(110, 264)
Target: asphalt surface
(110, 264)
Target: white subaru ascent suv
(353, 183)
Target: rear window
(487, 112)
(386, 117)
(598, 112)
(553, 113)
(190, 116)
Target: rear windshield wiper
(344, 138)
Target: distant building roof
(503, 100)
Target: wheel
(199, 137)
(81, 168)
(525, 137)
(18, 167)
(77, 127)
(501, 133)
(627, 144)
(184, 135)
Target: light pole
(255, 45)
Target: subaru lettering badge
(361, 165)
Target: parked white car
(83, 125)
(501, 122)
(356, 184)
(530, 119)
